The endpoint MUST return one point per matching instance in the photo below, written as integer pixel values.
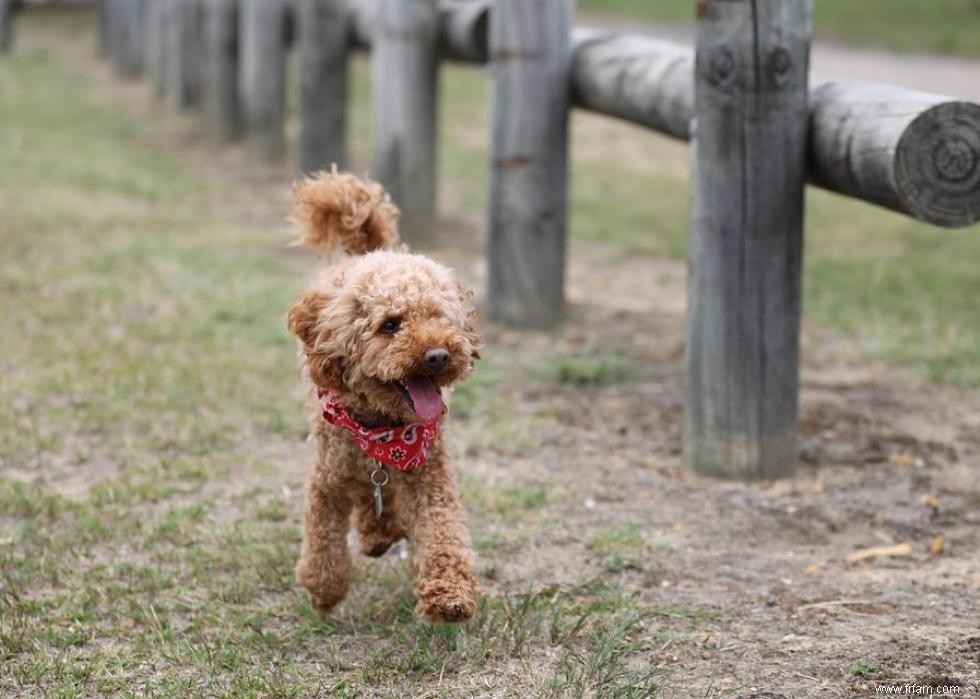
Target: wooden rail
(760, 126)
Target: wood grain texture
(222, 106)
(933, 172)
(404, 91)
(262, 48)
(641, 80)
(746, 243)
(323, 47)
(530, 53)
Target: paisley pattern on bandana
(403, 448)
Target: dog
(383, 334)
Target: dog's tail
(339, 209)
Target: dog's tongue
(426, 398)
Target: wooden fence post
(182, 52)
(323, 44)
(530, 54)
(116, 29)
(102, 28)
(6, 25)
(742, 352)
(135, 38)
(125, 18)
(404, 91)
(154, 29)
(262, 25)
(222, 108)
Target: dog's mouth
(423, 396)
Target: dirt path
(939, 74)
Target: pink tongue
(425, 397)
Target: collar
(403, 447)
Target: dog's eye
(391, 326)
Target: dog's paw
(452, 609)
(326, 587)
(322, 605)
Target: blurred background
(152, 428)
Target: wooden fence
(761, 127)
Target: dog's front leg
(324, 568)
(446, 588)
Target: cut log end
(937, 168)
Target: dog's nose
(436, 358)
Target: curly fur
(338, 322)
(338, 209)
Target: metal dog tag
(379, 478)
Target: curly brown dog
(382, 334)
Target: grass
(621, 548)
(591, 369)
(865, 669)
(941, 26)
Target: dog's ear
(304, 317)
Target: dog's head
(387, 332)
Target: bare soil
(885, 459)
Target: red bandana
(399, 447)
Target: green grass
(865, 669)
(943, 26)
(591, 368)
(621, 548)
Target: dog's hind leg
(324, 568)
(376, 534)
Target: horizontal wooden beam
(463, 28)
(644, 81)
(909, 151)
(912, 152)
